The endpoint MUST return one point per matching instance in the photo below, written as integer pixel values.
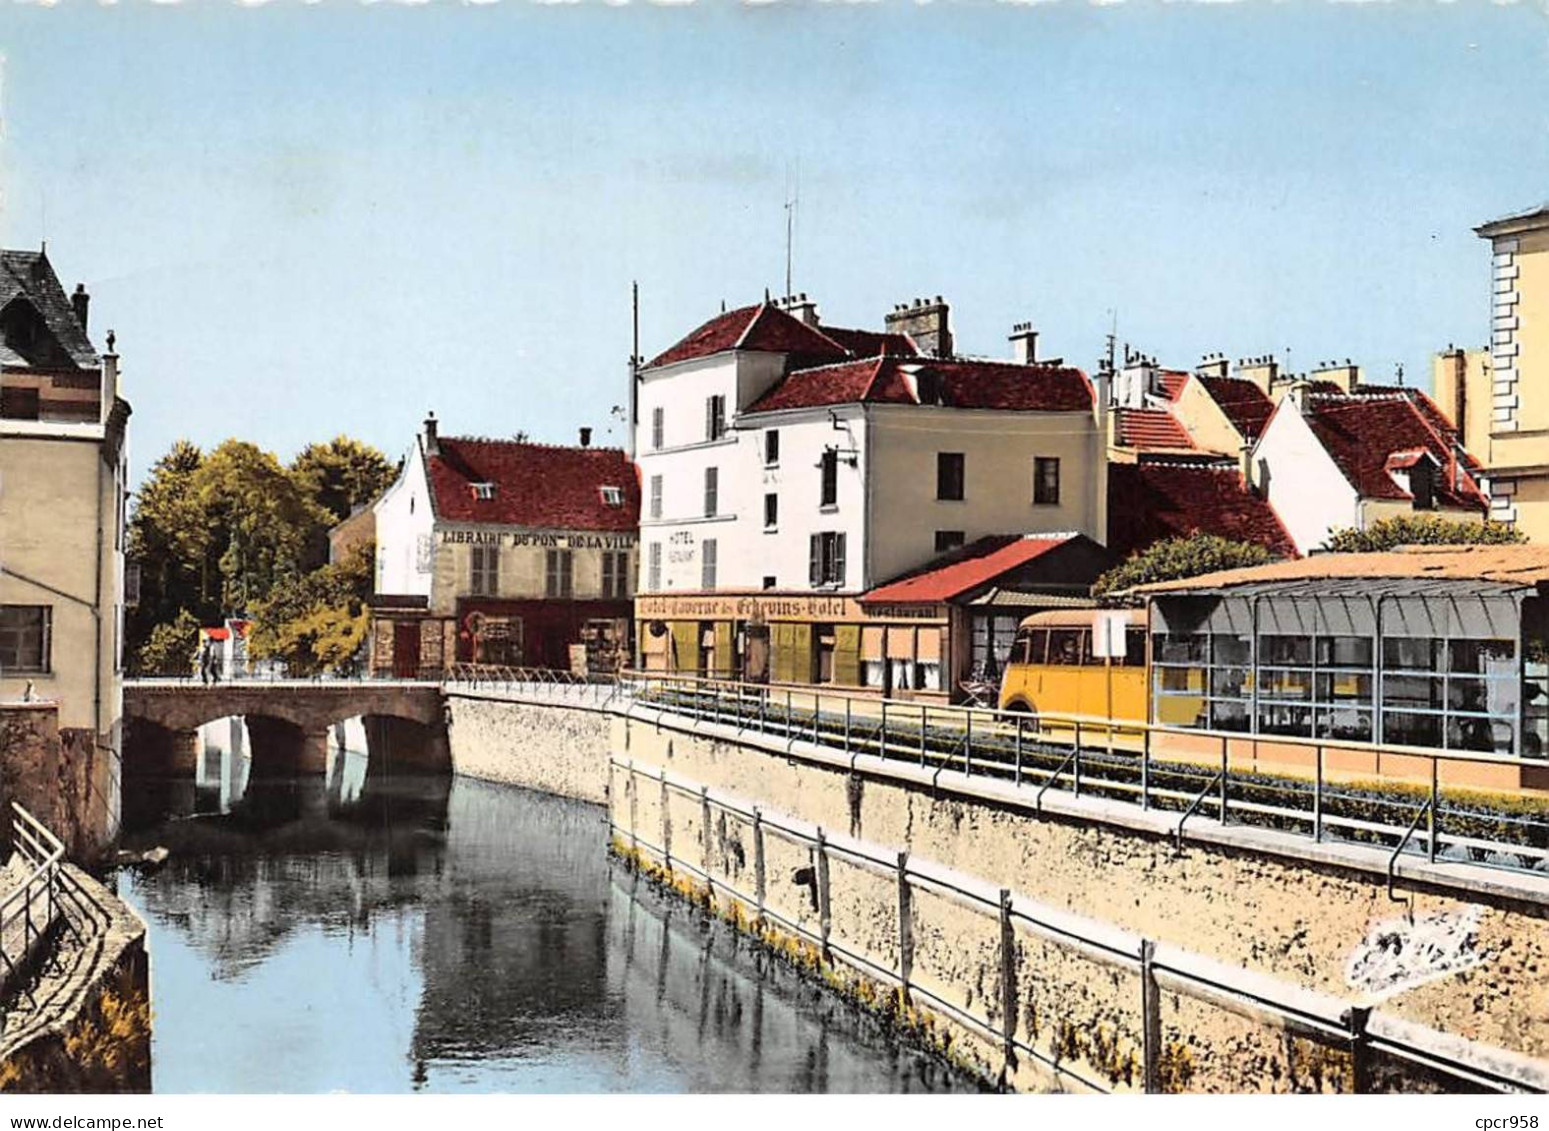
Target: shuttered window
(707, 558)
(825, 560)
(712, 491)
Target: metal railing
(1196, 774)
(1158, 966)
(554, 684)
(28, 912)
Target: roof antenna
(792, 196)
(1399, 373)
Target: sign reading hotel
(552, 540)
(817, 607)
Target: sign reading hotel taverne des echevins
(543, 539)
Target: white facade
(884, 505)
(1293, 470)
(405, 561)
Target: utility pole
(634, 371)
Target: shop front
(795, 640)
(578, 636)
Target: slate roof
(953, 383)
(1360, 433)
(536, 485)
(965, 569)
(1155, 499)
(1244, 403)
(28, 276)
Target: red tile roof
(1361, 432)
(536, 485)
(952, 383)
(1244, 403)
(870, 343)
(1156, 499)
(965, 569)
(1172, 382)
(1151, 428)
(765, 328)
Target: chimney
(1024, 344)
(110, 379)
(1297, 394)
(1262, 371)
(1245, 465)
(1346, 375)
(432, 445)
(1213, 365)
(927, 322)
(586, 437)
(801, 308)
(80, 300)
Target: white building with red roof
(504, 552)
(1329, 459)
(788, 467)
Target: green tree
(342, 475)
(167, 542)
(258, 521)
(171, 647)
(316, 621)
(1422, 530)
(1173, 558)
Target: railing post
(1008, 981)
(1076, 758)
(704, 833)
(1225, 747)
(1431, 819)
(1150, 1019)
(968, 743)
(882, 734)
(822, 882)
(1317, 798)
(847, 705)
(905, 926)
(758, 861)
(1145, 767)
(666, 826)
(1018, 749)
(786, 729)
(817, 711)
(923, 710)
(1360, 1068)
(634, 810)
(763, 712)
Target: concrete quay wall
(1295, 921)
(88, 1027)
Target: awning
(1017, 599)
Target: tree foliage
(342, 475)
(171, 648)
(1422, 530)
(1172, 558)
(225, 532)
(317, 621)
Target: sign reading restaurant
(542, 538)
(818, 607)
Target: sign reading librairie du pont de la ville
(545, 539)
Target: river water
(356, 934)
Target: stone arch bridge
(290, 722)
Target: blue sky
(305, 221)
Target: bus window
(1065, 645)
(1038, 649)
(1135, 648)
(1021, 647)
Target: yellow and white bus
(1053, 668)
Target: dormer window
(612, 496)
(482, 490)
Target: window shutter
(838, 566)
(847, 655)
(709, 418)
(801, 653)
(815, 560)
(723, 656)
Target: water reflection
(424, 933)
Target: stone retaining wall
(552, 748)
